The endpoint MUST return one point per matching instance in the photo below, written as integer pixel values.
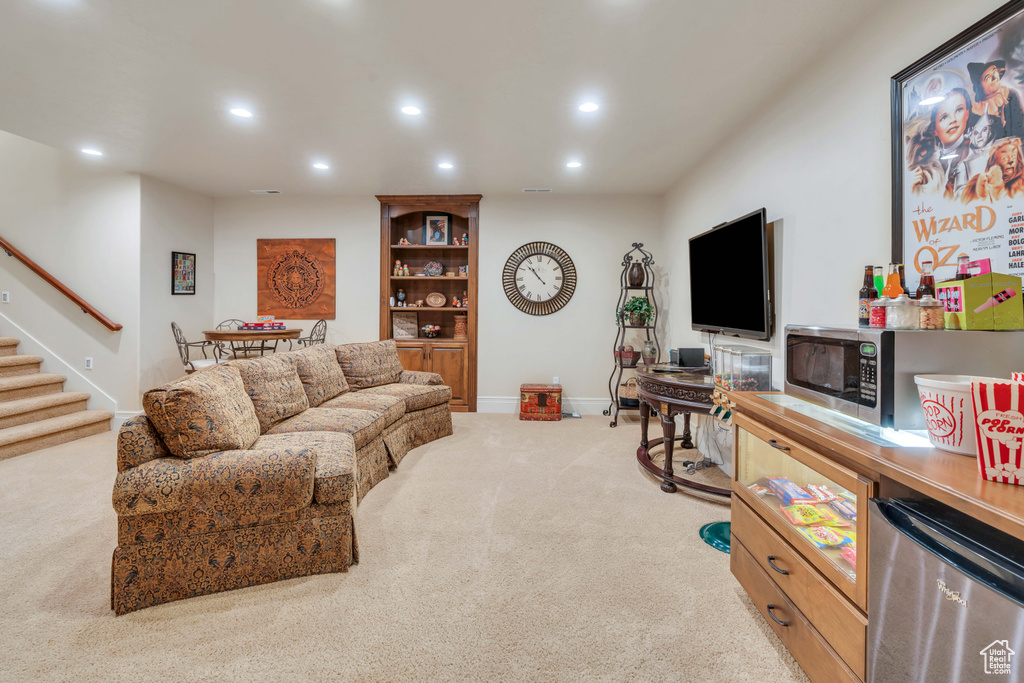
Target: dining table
(247, 341)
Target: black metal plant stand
(635, 257)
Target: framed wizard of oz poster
(295, 279)
(957, 156)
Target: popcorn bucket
(999, 428)
(948, 412)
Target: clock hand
(537, 276)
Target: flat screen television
(730, 278)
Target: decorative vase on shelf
(649, 353)
(635, 277)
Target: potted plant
(638, 310)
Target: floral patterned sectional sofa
(250, 471)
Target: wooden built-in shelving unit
(402, 217)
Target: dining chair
(318, 335)
(183, 350)
(239, 349)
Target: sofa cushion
(138, 443)
(335, 461)
(203, 413)
(363, 425)
(420, 377)
(321, 376)
(416, 396)
(274, 386)
(370, 364)
(230, 488)
(392, 406)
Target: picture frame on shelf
(463, 271)
(437, 229)
(957, 123)
(405, 325)
(183, 273)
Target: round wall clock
(539, 278)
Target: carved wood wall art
(295, 278)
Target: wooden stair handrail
(59, 286)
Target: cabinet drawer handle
(775, 618)
(775, 444)
(772, 565)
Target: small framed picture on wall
(183, 273)
(437, 230)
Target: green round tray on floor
(716, 535)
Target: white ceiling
(150, 82)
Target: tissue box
(999, 429)
(991, 301)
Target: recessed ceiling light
(589, 107)
(244, 113)
(322, 167)
(411, 110)
(445, 165)
(92, 152)
(932, 100)
(573, 164)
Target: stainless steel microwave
(869, 373)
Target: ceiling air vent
(265, 191)
(536, 189)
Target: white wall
(575, 344)
(354, 222)
(80, 222)
(172, 219)
(818, 157)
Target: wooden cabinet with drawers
(803, 564)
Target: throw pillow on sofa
(322, 377)
(370, 364)
(274, 386)
(202, 413)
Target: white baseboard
(510, 405)
(122, 416)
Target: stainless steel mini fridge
(946, 596)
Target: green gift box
(991, 301)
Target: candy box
(788, 492)
(821, 493)
(999, 429)
(824, 537)
(987, 302)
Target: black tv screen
(729, 283)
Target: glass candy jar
(878, 311)
(930, 313)
(902, 314)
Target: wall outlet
(5, 297)
(554, 380)
(88, 363)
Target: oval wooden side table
(668, 394)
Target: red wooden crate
(540, 402)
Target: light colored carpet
(510, 551)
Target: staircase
(35, 411)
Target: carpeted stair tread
(19, 360)
(28, 405)
(25, 381)
(9, 341)
(54, 425)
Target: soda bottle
(903, 280)
(927, 286)
(879, 279)
(892, 287)
(963, 267)
(868, 293)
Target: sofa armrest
(417, 377)
(233, 487)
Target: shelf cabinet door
(412, 357)
(762, 454)
(450, 362)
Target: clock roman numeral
(519, 279)
(529, 294)
(522, 288)
(558, 277)
(538, 297)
